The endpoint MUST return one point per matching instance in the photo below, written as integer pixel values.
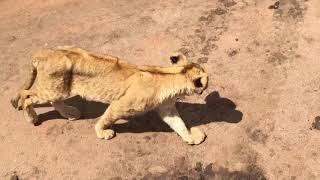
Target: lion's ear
(178, 59)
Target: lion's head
(196, 75)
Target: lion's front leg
(170, 115)
(116, 110)
(104, 124)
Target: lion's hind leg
(30, 98)
(25, 88)
(26, 101)
(69, 112)
(18, 101)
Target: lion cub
(63, 72)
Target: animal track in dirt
(202, 60)
(187, 52)
(220, 11)
(113, 37)
(56, 130)
(211, 25)
(146, 20)
(33, 173)
(257, 135)
(208, 48)
(232, 52)
(289, 9)
(287, 15)
(277, 58)
(8, 70)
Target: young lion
(63, 72)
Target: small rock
(275, 5)
(157, 170)
(228, 3)
(316, 123)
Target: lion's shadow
(216, 109)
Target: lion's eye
(197, 83)
(174, 59)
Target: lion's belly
(95, 90)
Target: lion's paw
(197, 135)
(106, 134)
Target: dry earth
(260, 111)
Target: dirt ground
(259, 112)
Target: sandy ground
(259, 112)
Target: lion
(62, 72)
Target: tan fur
(63, 72)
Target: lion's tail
(27, 85)
(31, 77)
